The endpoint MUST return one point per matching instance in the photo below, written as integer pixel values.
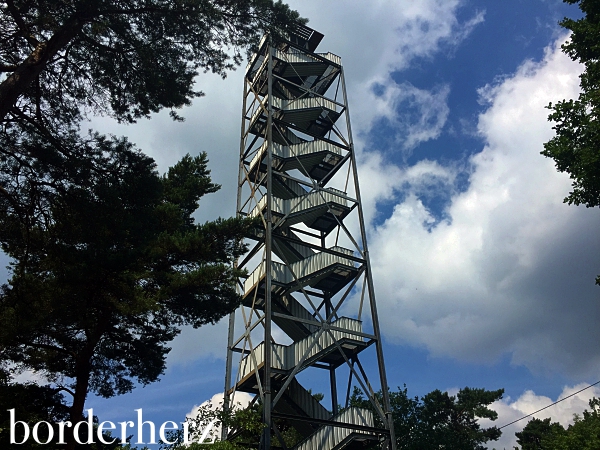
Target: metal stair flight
(292, 154)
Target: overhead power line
(552, 404)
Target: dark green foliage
(439, 420)
(245, 427)
(583, 434)
(535, 431)
(32, 403)
(576, 145)
(125, 58)
(107, 264)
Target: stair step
(316, 209)
(284, 358)
(325, 271)
(316, 159)
(329, 437)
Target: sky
(483, 276)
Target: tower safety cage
(308, 315)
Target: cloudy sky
(483, 276)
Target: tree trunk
(82, 370)
(27, 72)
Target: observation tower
(308, 316)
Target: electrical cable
(552, 404)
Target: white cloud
(381, 181)
(513, 269)
(241, 400)
(374, 38)
(511, 410)
(380, 37)
(31, 376)
(413, 115)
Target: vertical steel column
(266, 441)
(231, 330)
(369, 279)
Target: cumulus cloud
(510, 410)
(383, 182)
(374, 38)
(511, 270)
(411, 115)
(240, 400)
(380, 37)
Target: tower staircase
(294, 152)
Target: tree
(125, 58)
(530, 438)
(576, 145)
(583, 434)
(107, 260)
(61, 60)
(107, 264)
(245, 427)
(440, 420)
(34, 403)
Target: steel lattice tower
(308, 260)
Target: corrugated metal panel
(298, 104)
(256, 56)
(247, 363)
(297, 310)
(299, 150)
(329, 437)
(297, 57)
(294, 329)
(320, 261)
(303, 203)
(307, 402)
(331, 57)
(325, 341)
(287, 357)
(301, 249)
(304, 103)
(316, 198)
(305, 267)
(279, 272)
(308, 147)
(277, 359)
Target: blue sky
(483, 277)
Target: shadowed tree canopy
(440, 420)
(107, 264)
(582, 434)
(124, 58)
(107, 261)
(576, 144)
(530, 438)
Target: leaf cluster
(582, 434)
(124, 58)
(245, 427)
(108, 263)
(440, 420)
(576, 144)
